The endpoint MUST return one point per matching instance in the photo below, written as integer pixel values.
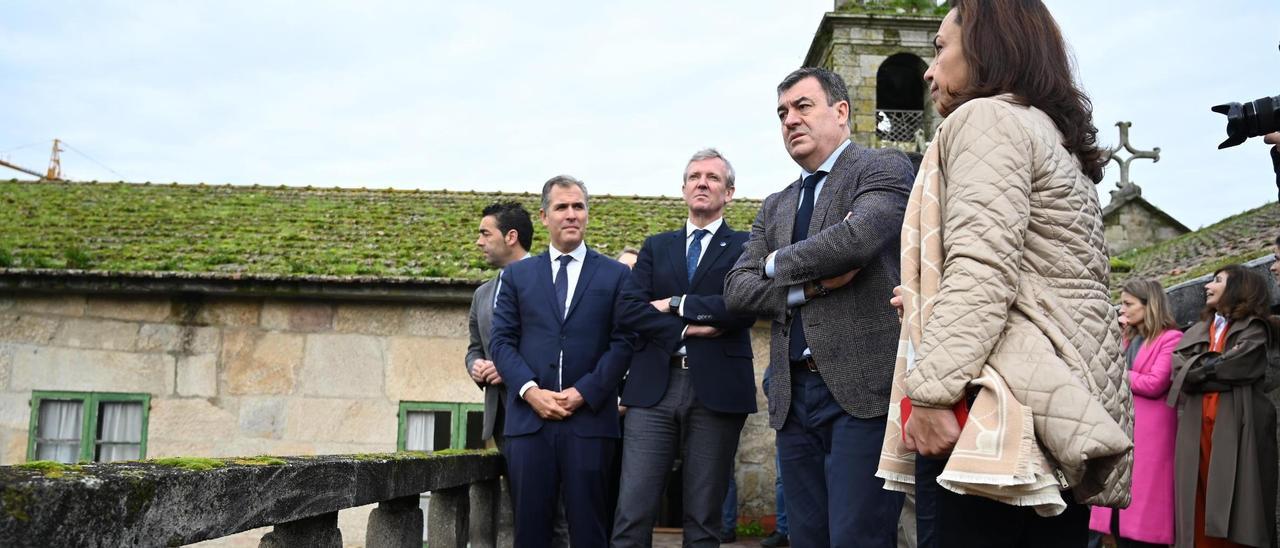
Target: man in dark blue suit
(691, 385)
(560, 352)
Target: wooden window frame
(457, 418)
(89, 403)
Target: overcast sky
(502, 95)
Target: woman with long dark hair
(1004, 273)
(1150, 337)
(1225, 457)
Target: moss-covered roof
(291, 231)
(1236, 239)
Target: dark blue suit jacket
(723, 378)
(529, 335)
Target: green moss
(50, 469)
(289, 231)
(261, 460)
(897, 7)
(16, 501)
(189, 463)
(141, 492)
(750, 529)
(1121, 265)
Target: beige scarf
(997, 455)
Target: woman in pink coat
(1150, 338)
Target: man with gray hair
(559, 349)
(692, 385)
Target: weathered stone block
(262, 417)
(198, 375)
(297, 316)
(7, 301)
(261, 363)
(13, 445)
(395, 523)
(371, 319)
(429, 369)
(342, 422)
(43, 368)
(139, 309)
(158, 337)
(343, 365)
(437, 321)
(15, 410)
(447, 523)
(54, 305)
(483, 514)
(97, 333)
(229, 312)
(190, 419)
(6, 363)
(198, 340)
(319, 531)
(26, 328)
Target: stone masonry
(261, 376)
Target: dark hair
(1015, 46)
(512, 216)
(1277, 241)
(564, 181)
(1246, 295)
(832, 84)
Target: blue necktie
(562, 284)
(800, 231)
(695, 251)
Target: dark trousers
(927, 471)
(654, 436)
(552, 462)
(829, 461)
(965, 521)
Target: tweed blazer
(853, 332)
(480, 323)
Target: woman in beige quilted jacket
(1021, 291)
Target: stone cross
(1125, 186)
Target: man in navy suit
(561, 354)
(691, 385)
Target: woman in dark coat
(1225, 455)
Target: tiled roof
(1236, 239)
(287, 231)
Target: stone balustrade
(172, 502)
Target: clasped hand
(554, 406)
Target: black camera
(1251, 119)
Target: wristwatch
(674, 304)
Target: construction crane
(54, 173)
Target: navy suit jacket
(529, 336)
(723, 378)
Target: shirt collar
(712, 227)
(829, 163)
(578, 254)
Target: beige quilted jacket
(1024, 289)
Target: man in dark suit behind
(692, 384)
(559, 350)
(834, 338)
(506, 232)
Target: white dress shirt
(711, 228)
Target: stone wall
(232, 377)
(1133, 226)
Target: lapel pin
(722, 244)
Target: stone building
(144, 321)
(882, 49)
(1132, 222)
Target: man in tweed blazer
(826, 284)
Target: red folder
(961, 409)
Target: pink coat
(1149, 518)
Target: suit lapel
(787, 204)
(835, 180)
(544, 280)
(676, 254)
(589, 265)
(719, 242)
